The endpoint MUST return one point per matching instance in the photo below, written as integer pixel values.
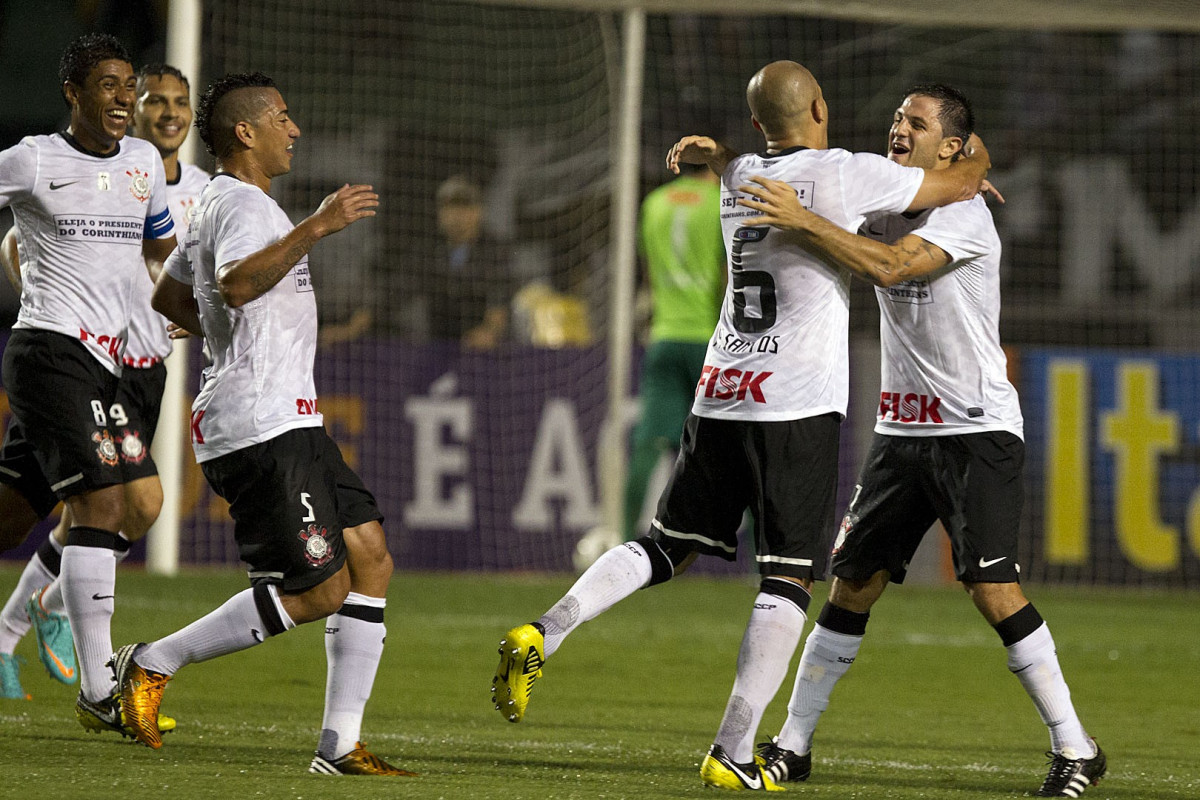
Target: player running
(948, 440)
(91, 206)
(162, 115)
(304, 522)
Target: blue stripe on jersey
(159, 226)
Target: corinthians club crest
(139, 187)
(132, 449)
(317, 550)
(106, 448)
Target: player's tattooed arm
(877, 262)
(242, 281)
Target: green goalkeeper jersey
(680, 237)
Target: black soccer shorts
(784, 472)
(290, 498)
(971, 482)
(60, 397)
(133, 418)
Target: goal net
(486, 456)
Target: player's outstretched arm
(700, 150)
(962, 180)
(253, 276)
(879, 263)
(173, 299)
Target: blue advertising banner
(1113, 466)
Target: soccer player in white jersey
(948, 440)
(92, 210)
(162, 115)
(763, 432)
(304, 522)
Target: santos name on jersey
(260, 382)
(82, 218)
(780, 349)
(148, 341)
(943, 370)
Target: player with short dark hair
(91, 206)
(162, 115)
(763, 432)
(948, 440)
(304, 522)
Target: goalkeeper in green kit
(680, 240)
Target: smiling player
(91, 206)
(948, 440)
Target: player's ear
(244, 133)
(820, 111)
(951, 148)
(71, 92)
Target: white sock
(52, 597)
(89, 579)
(353, 648)
(14, 622)
(614, 576)
(767, 648)
(827, 656)
(234, 626)
(1034, 661)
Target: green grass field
(628, 706)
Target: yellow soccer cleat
(358, 761)
(105, 717)
(520, 666)
(139, 693)
(721, 772)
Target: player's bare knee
(143, 504)
(319, 601)
(996, 601)
(858, 595)
(367, 555)
(102, 508)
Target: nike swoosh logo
(985, 564)
(102, 597)
(54, 186)
(257, 636)
(1022, 669)
(66, 671)
(752, 783)
(507, 669)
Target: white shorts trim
(66, 482)
(695, 537)
(798, 562)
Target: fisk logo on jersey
(730, 384)
(911, 407)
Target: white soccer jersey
(148, 340)
(943, 370)
(260, 382)
(82, 219)
(779, 351)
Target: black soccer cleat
(783, 765)
(1068, 777)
